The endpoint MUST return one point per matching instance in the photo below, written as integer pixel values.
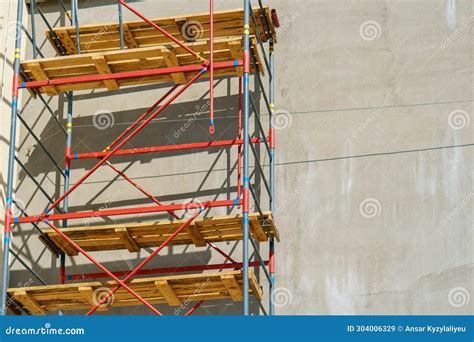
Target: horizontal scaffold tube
(125, 211)
(128, 74)
(190, 146)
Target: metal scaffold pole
(67, 171)
(67, 159)
(33, 27)
(11, 160)
(75, 22)
(272, 176)
(211, 66)
(246, 170)
(67, 166)
(120, 17)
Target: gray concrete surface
(374, 163)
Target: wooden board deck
(151, 234)
(106, 36)
(156, 57)
(171, 290)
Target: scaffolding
(236, 43)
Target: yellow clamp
(246, 29)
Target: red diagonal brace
(144, 262)
(122, 143)
(227, 257)
(143, 191)
(164, 32)
(220, 251)
(140, 119)
(110, 274)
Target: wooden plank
(196, 235)
(257, 230)
(40, 75)
(13, 308)
(156, 290)
(127, 240)
(256, 56)
(29, 303)
(172, 61)
(87, 293)
(152, 234)
(128, 37)
(237, 54)
(63, 244)
(104, 36)
(103, 68)
(168, 293)
(129, 60)
(255, 286)
(66, 40)
(272, 226)
(179, 24)
(232, 286)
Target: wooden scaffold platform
(175, 51)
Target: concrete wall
(374, 165)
